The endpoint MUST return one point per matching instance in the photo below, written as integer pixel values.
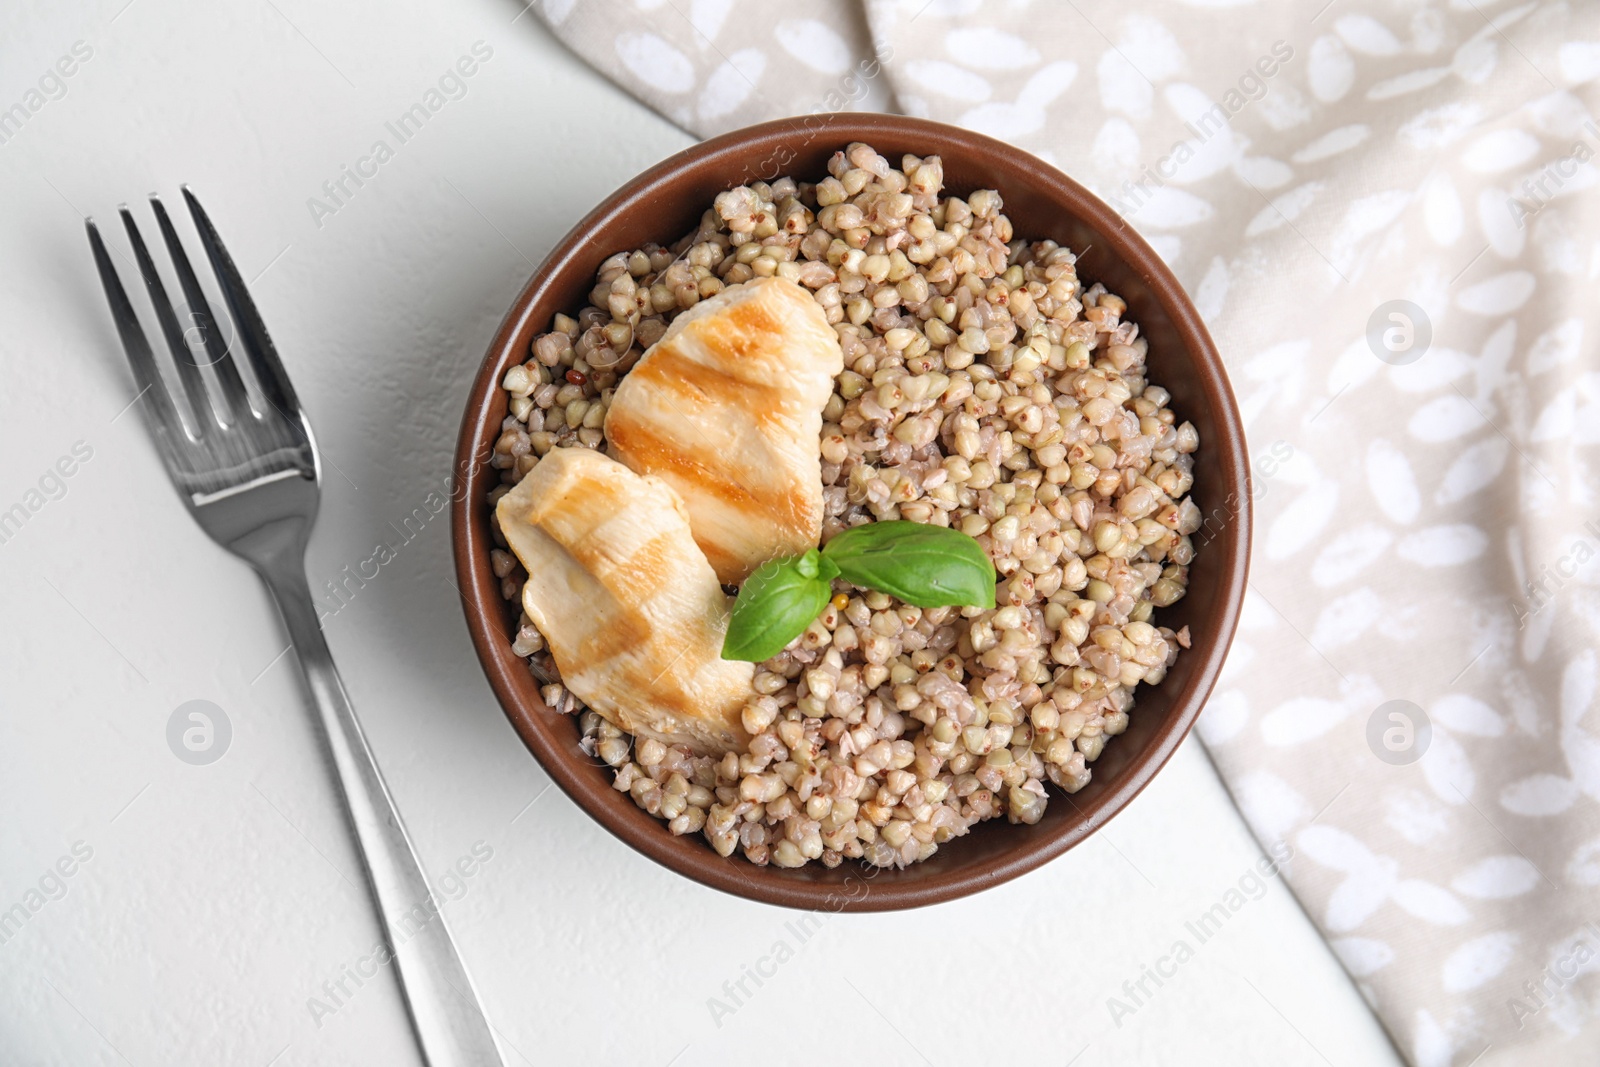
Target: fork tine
(258, 348)
(235, 401)
(193, 385)
(167, 421)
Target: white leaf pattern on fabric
(1168, 207)
(1500, 150)
(1582, 748)
(1263, 172)
(1117, 145)
(655, 62)
(1499, 295)
(555, 12)
(1227, 713)
(1122, 87)
(1430, 1045)
(1299, 523)
(1405, 84)
(1499, 225)
(1418, 817)
(1476, 60)
(1394, 486)
(1447, 769)
(1443, 546)
(1270, 805)
(1239, 659)
(947, 79)
(1027, 114)
(1558, 345)
(1584, 867)
(1210, 155)
(1337, 849)
(1333, 143)
(814, 44)
(1444, 418)
(1558, 419)
(988, 48)
(1345, 619)
(1212, 292)
(1432, 904)
(1497, 878)
(1160, 55)
(707, 17)
(731, 84)
(1586, 430)
(1359, 896)
(1363, 955)
(1580, 60)
(1349, 554)
(1442, 211)
(1333, 72)
(1439, 127)
(1367, 35)
(1301, 719)
(1539, 795)
(1283, 209)
(1467, 715)
(1478, 961)
(1477, 468)
(1354, 366)
(1443, 366)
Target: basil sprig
(928, 566)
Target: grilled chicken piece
(727, 409)
(630, 608)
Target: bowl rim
(483, 606)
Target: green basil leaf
(815, 565)
(929, 566)
(776, 604)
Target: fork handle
(450, 1024)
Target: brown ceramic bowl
(666, 202)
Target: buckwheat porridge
(984, 389)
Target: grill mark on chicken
(727, 407)
(630, 607)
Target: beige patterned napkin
(1387, 213)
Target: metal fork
(251, 477)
